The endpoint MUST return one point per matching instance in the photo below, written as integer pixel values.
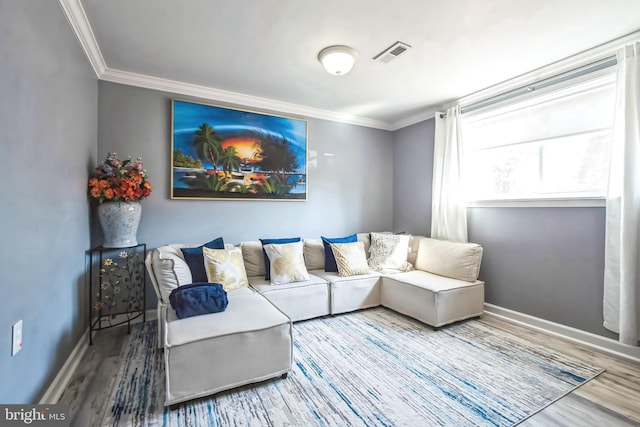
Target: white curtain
(448, 209)
(621, 278)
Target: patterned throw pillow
(225, 266)
(264, 242)
(287, 263)
(329, 259)
(388, 252)
(350, 258)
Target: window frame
(601, 70)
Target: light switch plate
(17, 338)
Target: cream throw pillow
(287, 263)
(388, 252)
(350, 258)
(225, 266)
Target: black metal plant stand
(116, 286)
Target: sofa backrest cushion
(366, 239)
(170, 269)
(450, 259)
(414, 243)
(314, 254)
(253, 258)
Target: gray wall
(48, 128)
(350, 179)
(412, 178)
(545, 262)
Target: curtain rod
(601, 64)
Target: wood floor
(611, 399)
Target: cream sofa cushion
(314, 254)
(253, 258)
(170, 269)
(449, 259)
(298, 300)
(414, 243)
(365, 238)
(247, 311)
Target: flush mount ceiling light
(337, 60)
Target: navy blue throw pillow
(195, 259)
(329, 259)
(267, 264)
(198, 298)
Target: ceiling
(263, 53)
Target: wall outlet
(17, 338)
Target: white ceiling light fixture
(338, 60)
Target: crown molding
(564, 65)
(181, 88)
(80, 25)
(415, 118)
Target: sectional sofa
(251, 340)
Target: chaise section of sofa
(215, 352)
(443, 288)
(210, 353)
(432, 299)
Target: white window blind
(543, 146)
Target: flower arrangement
(119, 180)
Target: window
(551, 145)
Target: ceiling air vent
(391, 53)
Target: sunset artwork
(225, 153)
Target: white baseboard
(60, 382)
(588, 339)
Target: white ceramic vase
(119, 222)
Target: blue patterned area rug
(369, 368)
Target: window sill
(589, 202)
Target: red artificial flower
(117, 179)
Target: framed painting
(220, 153)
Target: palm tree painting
(207, 144)
(230, 160)
(223, 153)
